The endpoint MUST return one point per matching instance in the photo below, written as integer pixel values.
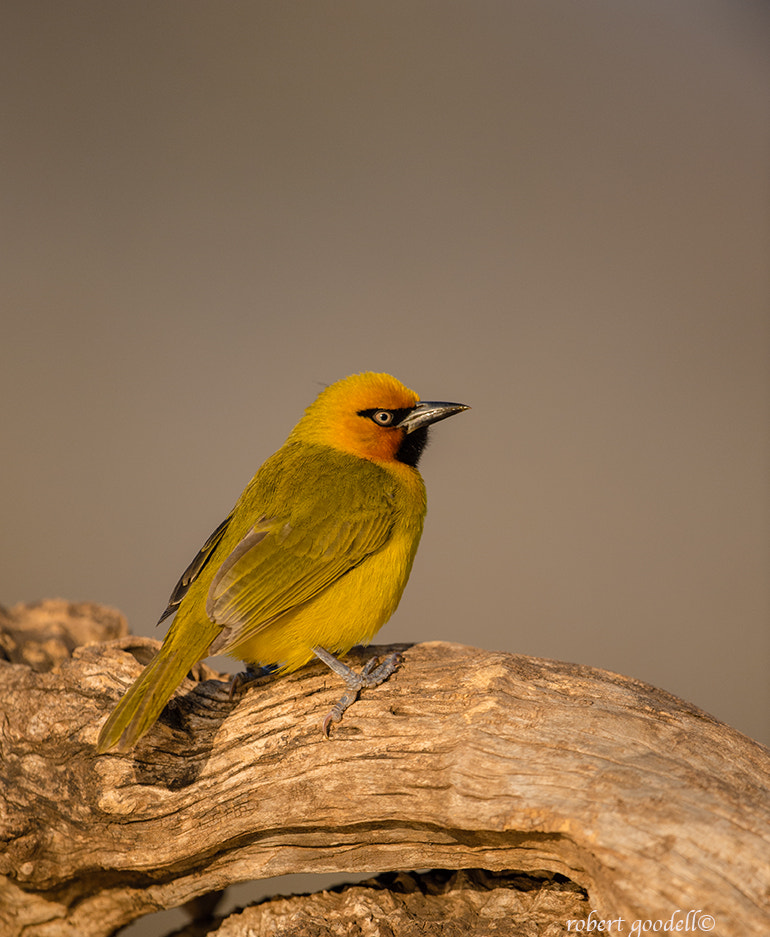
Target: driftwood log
(555, 798)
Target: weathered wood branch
(464, 759)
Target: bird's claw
(250, 675)
(370, 676)
(337, 711)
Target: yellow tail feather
(143, 703)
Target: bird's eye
(383, 417)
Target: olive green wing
(333, 524)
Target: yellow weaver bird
(313, 558)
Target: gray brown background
(554, 211)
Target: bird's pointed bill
(430, 411)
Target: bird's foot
(370, 675)
(250, 675)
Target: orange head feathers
(372, 416)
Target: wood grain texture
(464, 759)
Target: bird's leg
(370, 676)
(250, 675)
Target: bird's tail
(140, 707)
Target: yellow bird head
(372, 416)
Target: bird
(313, 558)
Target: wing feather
(195, 568)
(332, 524)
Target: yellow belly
(349, 612)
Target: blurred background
(555, 212)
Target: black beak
(429, 411)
